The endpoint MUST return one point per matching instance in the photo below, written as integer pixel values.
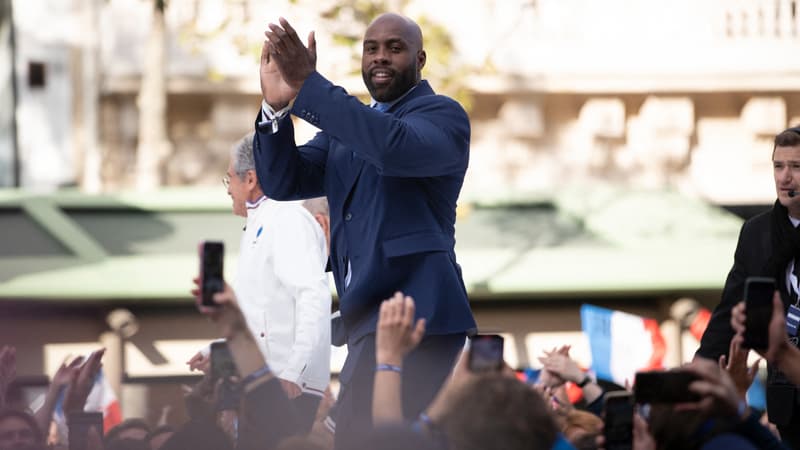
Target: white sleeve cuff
(269, 116)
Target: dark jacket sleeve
(285, 170)
(717, 337)
(430, 139)
(267, 417)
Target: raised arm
(396, 335)
(430, 138)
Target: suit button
(348, 217)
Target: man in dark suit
(769, 245)
(392, 172)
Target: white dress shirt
(283, 291)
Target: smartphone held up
(212, 254)
(758, 292)
(485, 353)
(670, 386)
(618, 409)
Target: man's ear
(251, 179)
(422, 57)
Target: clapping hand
(285, 63)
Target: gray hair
(242, 154)
(317, 205)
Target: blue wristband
(256, 375)
(388, 368)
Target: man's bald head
(413, 33)
(393, 57)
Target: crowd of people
(472, 410)
(380, 183)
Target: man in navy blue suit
(392, 172)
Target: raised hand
(226, 315)
(563, 367)
(736, 366)
(719, 396)
(274, 89)
(397, 333)
(200, 361)
(81, 386)
(778, 339)
(294, 60)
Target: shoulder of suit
(759, 220)
(441, 101)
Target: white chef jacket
(283, 291)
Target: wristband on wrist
(388, 368)
(256, 375)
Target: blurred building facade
(684, 94)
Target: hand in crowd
(226, 315)
(555, 397)
(397, 333)
(548, 377)
(82, 382)
(736, 367)
(66, 374)
(719, 395)
(292, 389)
(778, 342)
(8, 370)
(559, 366)
(200, 361)
(642, 438)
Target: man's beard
(400, 84)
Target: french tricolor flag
(621, 344)
(103, 399)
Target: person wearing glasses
(281, 284)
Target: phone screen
(211, 281)
(758, 292)
(618, 420)
(664, 387)
(222, 365)
(486, 352)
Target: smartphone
(211, 255)
(79, 423)
(664, 387)
(222, 365)
(618, 420)
(485, 353)
(758, 292)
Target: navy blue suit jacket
(392, 180)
